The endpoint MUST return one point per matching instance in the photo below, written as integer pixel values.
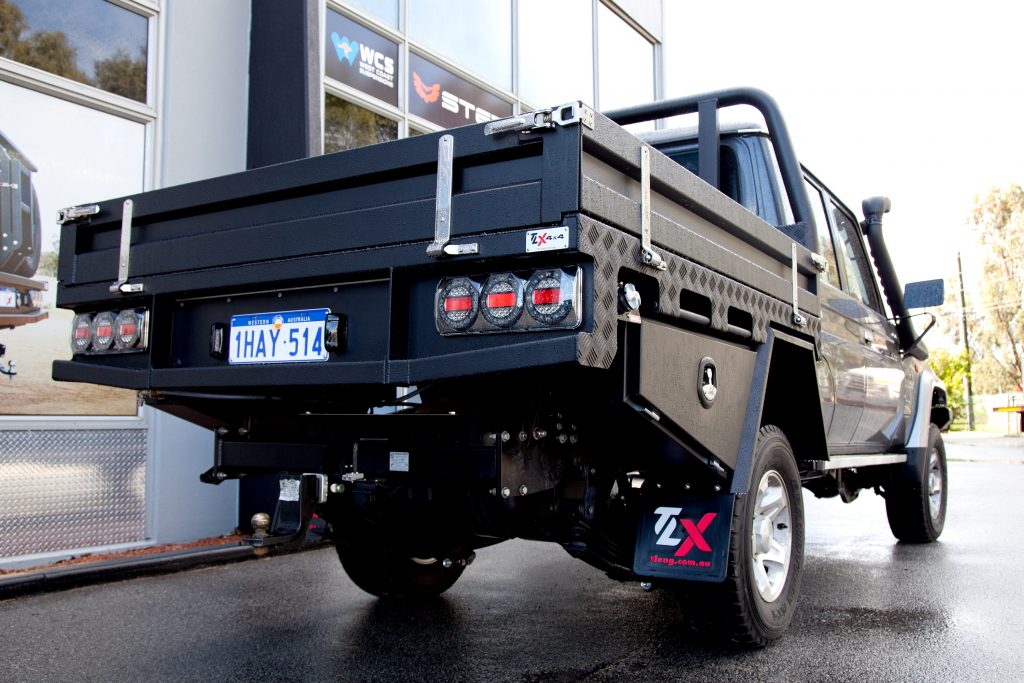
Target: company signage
(361, 58)
(441, 97)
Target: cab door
(880, 375)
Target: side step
(842, 462)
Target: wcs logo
(373, 64)
(685, 534)
(449, 100)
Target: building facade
(114, 97)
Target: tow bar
(312, 492)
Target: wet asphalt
(871, 609)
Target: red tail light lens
(81, 333)
(103, 331)
(457, 303)
(550, 296)
(502, 297)
(128, 329)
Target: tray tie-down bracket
(75, 213)
(440, 247)
(648, 256)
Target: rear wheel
(389, 572)
(915, 499)
(755, 603)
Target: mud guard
(685, 539)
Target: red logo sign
(427, 94)
(696, 534)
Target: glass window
(90, 41)
(441, 97)
(625, 63)
(361, 58)
(347, 126)
(851, 252)
(556, 52)
(475, 34)
(385, 11)
(825, 247)
(82, 155)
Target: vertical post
(967, 344)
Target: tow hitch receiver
(687, 538)
(312, 491)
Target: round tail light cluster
(109, 331)
(502, 300)
(541, 300)
(457, 303)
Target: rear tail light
(128, 329)
(81, 333)
(541, 300)
(544, 296)
(457, 303)
(501, 300)
(103, 331)
(110, 332)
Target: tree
(12, 23)
(952, 370)
(998, 223)
(123, 75)
(46, 50)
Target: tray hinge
(647, 254)
(74, 213)
(567, 114)
(124, 256)
(443, 205)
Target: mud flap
(685, 539)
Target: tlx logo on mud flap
(688, 539)
(666, 527)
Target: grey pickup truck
(543, 327)
(20, 244)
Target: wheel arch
(784, 393)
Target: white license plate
(285, 337)
(8, 298)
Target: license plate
(285, 337)
(8, 298)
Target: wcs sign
(441, 97)
(688, 540)
(361, 58)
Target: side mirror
(924, 294)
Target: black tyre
(755, 603)
(915, 499)
(26, 260)
(386, 572)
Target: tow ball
(312, 492)
(9, 370)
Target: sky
(921, 102)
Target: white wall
(203, 102)
(202, 122)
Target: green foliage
(998, 224)
(952, 370)
(52, 52)
(123, 75)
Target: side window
(825, 246)
(851, 252)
